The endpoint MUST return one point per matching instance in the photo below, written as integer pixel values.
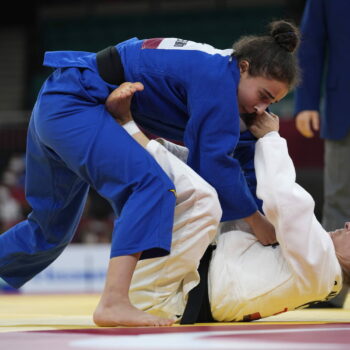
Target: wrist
(125, 118)
(141, 138)
(251, 218)
(272, 133)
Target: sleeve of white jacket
(306, 246)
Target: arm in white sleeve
(180, 152)
(306, 246)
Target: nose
(260, 108)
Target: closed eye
(264, 98)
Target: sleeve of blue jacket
(245, 154)
(211, 136)
(311, 56)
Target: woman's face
(255, 94)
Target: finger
(304, 124)
(315, 122)
(307, 129)
(270, 241)
(303, 127)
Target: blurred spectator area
(92, 25)
(96, 224)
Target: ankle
(111, 299)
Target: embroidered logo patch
(180, 43)
(152, 43)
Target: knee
(157, 185)
(208, 200)
(201, 198)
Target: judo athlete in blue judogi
(193, 93)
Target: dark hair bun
(285, 34)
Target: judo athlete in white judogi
(246, 280)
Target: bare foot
(125, 314)
(118, 102)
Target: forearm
(251, 219)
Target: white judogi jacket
(246, 279)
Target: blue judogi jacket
(190, 95)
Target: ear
(243, 66)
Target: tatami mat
(64, 322)
(71, 311)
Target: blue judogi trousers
(74, 143)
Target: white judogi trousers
(160, 286)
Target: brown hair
(274, 55)
(344, 262)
